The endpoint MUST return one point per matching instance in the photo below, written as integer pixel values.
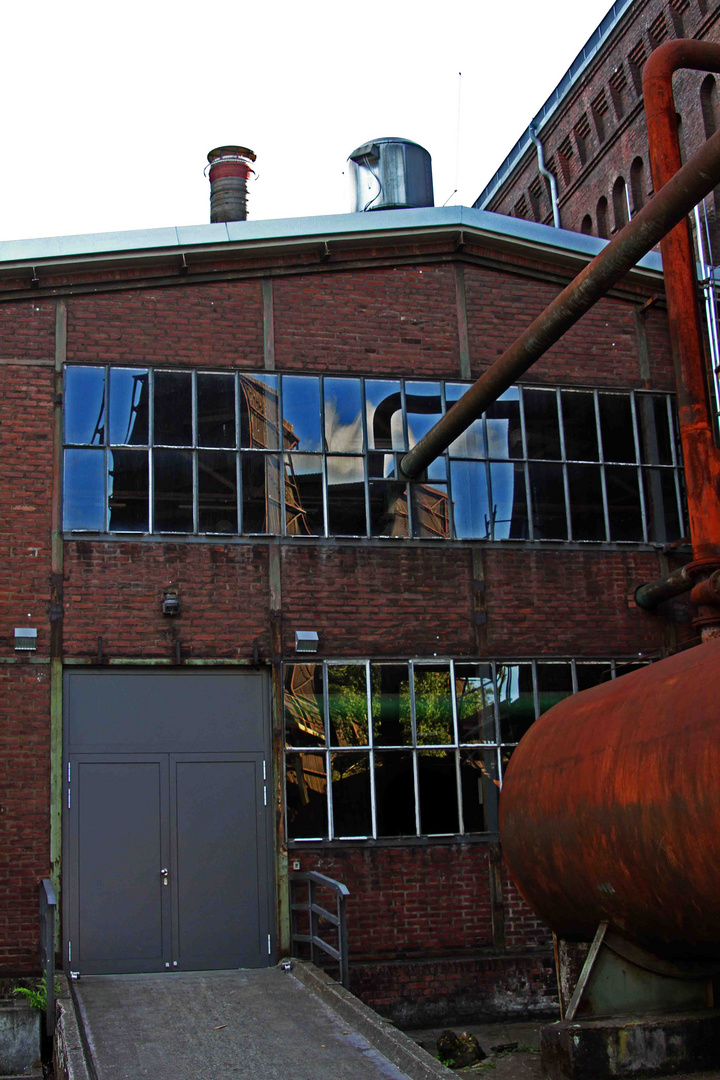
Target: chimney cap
(231, 152)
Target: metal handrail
(315, 912)
(48, 908)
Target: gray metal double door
(168, 854)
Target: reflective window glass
(128, 490)
(383, 403)
(304, 495)
(471, 443)
(216, 410)
(437, 784)
(509, 501)
(129, 406)
(301, 412)
(172, 414)
(394, 793)
(84, 490)
(548, 501)
(347, 705)
(388, 508)
(542, 429)
(85, 405)
(475, 695)
(259, 413)
(390, 698)
(303, 705)
(480, 789)
(173, 491)
(423, 402)
(616, 427)
(586, 502)
(260, 493)
(346, 496)
(516, 701)
(579, 426)
(471, 512)
(623, 499)
(352, 813)
(217, 491)
(431, 511)
(433, 705)
(306, 793)
(343, 416)
(504, 432)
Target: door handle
(164, 874)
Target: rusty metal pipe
(657, 592)
(668, 207)
(701, 458)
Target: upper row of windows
(160, 451)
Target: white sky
(109, 110)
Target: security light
(306, 641)
(25, 639)
(170, 602)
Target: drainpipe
(669, 206)
(549, 176)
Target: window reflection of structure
(412, 747)
(300, 455)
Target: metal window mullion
(371, 751)
(328, 752)
(366, 454)
(456, 734)
(672, 428)
(601, 460)
(414, 751)
(536, 692)
(416, 785)
(573, 669)
(281, 461)
(323, 462)
(151, 450)
(641, 486)
(563, 458)
(613, 669)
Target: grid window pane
(548, 501)
(303, 705)
(306, 795)
(423, 402)
(173, 492)
(172, 413)
(129, 406)
(616, 426)
(394, 793)
(383, 403)
(260, 413)
(352, 812)
(391, 714)
(589, 675)
(586, 502)
(343, 416)
(579, 426)
(504, 432)
(301, 412)
(475, 695)
(661, 505)
(480, 787)
(260, 493)
(471, 510)
(471, 443)
(437, 783)
(624, 513)
(84, 490)
(431, 511)
(85, 406)
(217, 491)
(554, 682)
(347, 705)
(433, 705)
(516, 700)
(541, 424)
(388, 508)
(346, 496)
(128, 490)
(216, 410)
(654, 429)
(509, 501)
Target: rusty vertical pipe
(701, 458)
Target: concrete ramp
(263, 1024)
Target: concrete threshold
(267, 1024)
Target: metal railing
(48, 907)
(315, 912)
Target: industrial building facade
(200, 435)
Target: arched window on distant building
(602, 212)
(708, 104)
(637, 184)
(620, 204)
(586, 226)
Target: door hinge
(68, 772)
(69, 952)
(68, 798)
(269, 946)
(265, 796)
(264, 771)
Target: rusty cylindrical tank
(229, 172)
(611, 809)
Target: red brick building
(200, 432)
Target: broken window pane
(471, 443)
(128, 490)
(394, 793)
(259, 413)
(475, 695)
(390, 690)
(217, 492)
(260, 493)
(554, 683)
(542, 429)
(216, 410)
(623, 503)
(433, 705)
(437, 782)
(346, 496)
(509, 501)
(423, 403)
(306, 796)
(304, 495)
(480, 790)
(383, 404)
(172, 415)
(343, 415)
(388, 508)
(352, 814)
(616, 427)
(173, 491)
(586, 502)
(548, 501)
(85, 405)
(303, 705)
(431, 511)
(301, 412)
(471, 512)
(84, 490)
(654, 429)
(661, 505)
(504, 432)
(516, 701)
(579, 426)
(129, 407)
(347, 705)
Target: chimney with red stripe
(229, 171)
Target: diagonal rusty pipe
(671, 204)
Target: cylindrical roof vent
(229, 171)
(391, 174)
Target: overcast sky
(110, 109)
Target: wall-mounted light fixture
(171, 602)
(25, 639)
(306, 641)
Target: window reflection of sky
(85, 405)
(343, 415)
(127, 386)
(384, 414)
(84, 490)
(301, 408)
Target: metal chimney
(229, 171)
